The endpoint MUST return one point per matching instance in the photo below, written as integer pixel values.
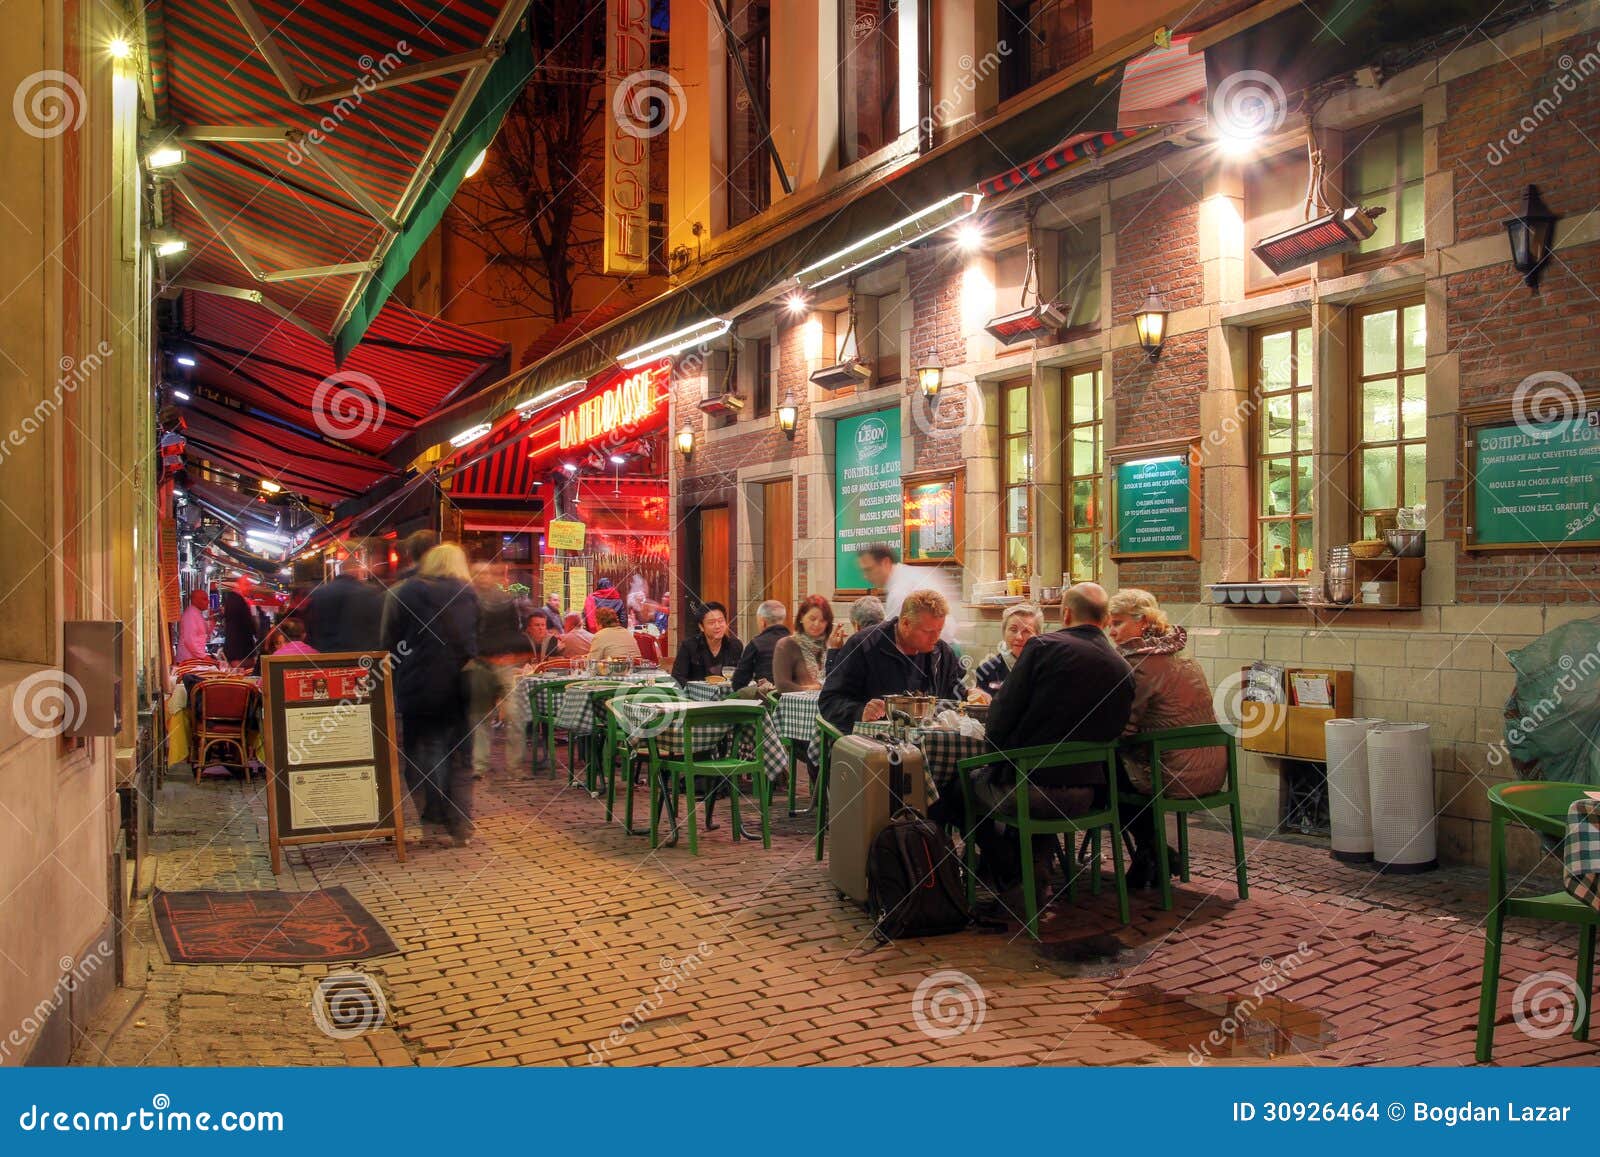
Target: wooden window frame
(1358, 382)
(1069, 479)
(1356, 261)
(1299, 396)
(1007, 436)
(762, 376)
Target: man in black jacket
(903, 655)
(756, 662)
(1067, 686)
(696, 657)
(346, 612)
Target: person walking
(346, 612)
(432, 634)
(502, 650)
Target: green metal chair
(707, 731)
(599, 750)
(1541, 807)
(1162, 804)
(771, 699)
(829, 734)
(1023, 762)
(623, 746)
(544, 700)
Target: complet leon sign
(866, 490)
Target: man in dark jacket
(710, 649)
(1067, 686)
(755, 664)
(346, 612)
(903, 655)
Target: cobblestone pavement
(556, 939)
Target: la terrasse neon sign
(633, 400)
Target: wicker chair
(224, 712)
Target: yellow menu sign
(565, 535)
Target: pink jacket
(194, 632)
(1171, 691)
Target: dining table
(700, 691)
(665, 720)
(942, 750)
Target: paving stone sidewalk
(557, 939)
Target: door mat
(319, 927)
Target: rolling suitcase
(868, 781)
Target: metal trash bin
(1349, 798)
(1405, 827)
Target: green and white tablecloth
(665, 720)
(797, 716)
(941, 751)
(1581, 851)
(702, 692)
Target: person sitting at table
(612, 640)
(291, 635)
(1019, 624)
(1067, 686)
(194, 628)
(545, 644)
(799, 660)
(710, 649)
(755, 665)
(575, 640)
(1169, 690)
(902, 655)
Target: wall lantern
(686, 440)
(1151, 323)
(1531, 234)
(788, 413)
(930, 377)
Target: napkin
(952, 720)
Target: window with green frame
(1391, 410)
(1384, 170)
(1016, 463)
(1082, 465)
(1280, 393)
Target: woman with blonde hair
(1170, 690)
(431, 631)
(1019, 624)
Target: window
(1082, 467)
(749, 169)
(1391, 411)
(761, 375)
(1384, 170)
(1280, 395)
(869, 77)
(1045, 36)
(887, 335)
(1016, 461)
(1078, 289)
(658, 238)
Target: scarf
(812, 653)
(1155, 641)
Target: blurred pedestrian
(502, 650)
(346, 612)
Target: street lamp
(1150, 322)
(787, 414)
(1531, 233)
(930, 377)
(686, 440)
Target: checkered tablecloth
(797, 715)
(542, 690)
(666, 721)
(1581, 851)
(941, 751)
(702, 692)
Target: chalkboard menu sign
(333, 769)
(1155, 512)
(1533, 484)
(866, 490)
(931, 523)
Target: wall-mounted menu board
(1155, 505)
(1533, 484)
(866, 490)
(931, 523)
(333, 767)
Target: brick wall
(1158, 243)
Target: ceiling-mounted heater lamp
(852, 371)
(1336, 232)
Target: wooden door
(714, 567)
(777, 541)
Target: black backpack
(914, 883)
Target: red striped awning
(303, 156)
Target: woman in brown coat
(1170, 690)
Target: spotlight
(171, 246)
(796, 304)
(477, 163)
(180, 395)
(119, 48)
(164, 157)
(969, 237)
(186, 360)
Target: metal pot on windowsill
(1338, 585)
(1407, 543)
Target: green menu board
(1154, 509)
(1534, 484)
(866, 490)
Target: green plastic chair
(600, 749)
(544, 700)
(706, 731)
(829, 735)
(1023, 763)
(622, 747)
(1542, 807)
(1163, 804)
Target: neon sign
(636, 398)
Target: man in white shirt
(194, 628)
(883, 571)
